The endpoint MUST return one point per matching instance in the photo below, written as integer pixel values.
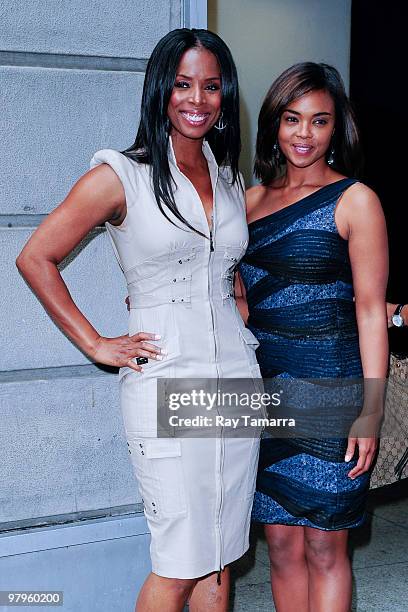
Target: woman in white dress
(174, 208)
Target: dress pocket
(158, 467)
(250, 343)
(164, 367)
(139, 391)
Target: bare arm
(368, 251)
(252, 196)
(98, 196)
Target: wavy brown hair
(292, 84)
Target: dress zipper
(222, 429)
(221, 568)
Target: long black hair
(152, 140)
(293, 83)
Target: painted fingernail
(157, 336)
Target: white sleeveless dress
(197, 493)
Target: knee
(181, 587)
(322, 555)
(284, 551)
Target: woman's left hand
(390, 311)
(366, 452)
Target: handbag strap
(399, 468)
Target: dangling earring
(277, 152)
(221, 124)
(330, 159)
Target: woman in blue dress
(317, 241)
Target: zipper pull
(211, 241)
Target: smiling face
(306, 128)
(195, 103)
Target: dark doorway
(377, 77)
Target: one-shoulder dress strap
(333, 191)
(339, 187)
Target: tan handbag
(392, 460)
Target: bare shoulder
(359, 209)
(102, 181)
(96, 197)
(254, 196)
(100, 191)
(362, 191)
(359, 199)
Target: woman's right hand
(120, 351)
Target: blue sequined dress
(298, 282)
